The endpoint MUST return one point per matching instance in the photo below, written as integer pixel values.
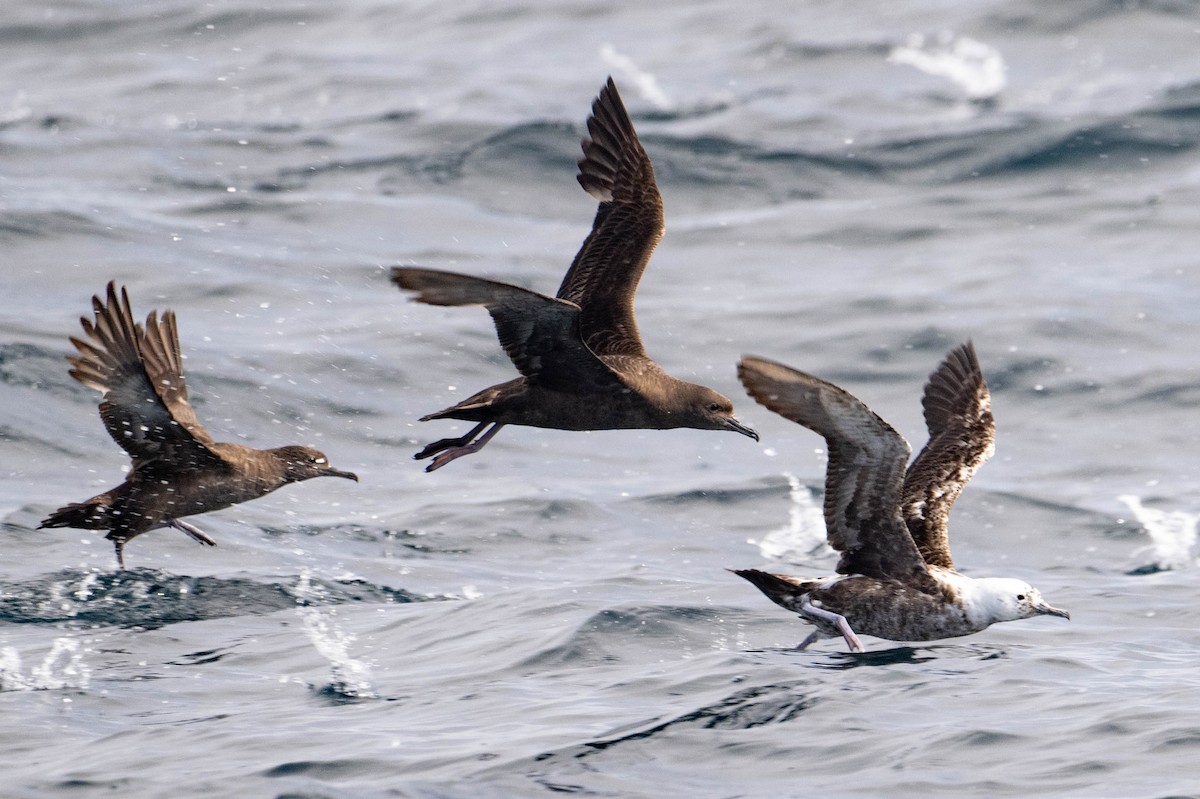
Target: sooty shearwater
(178, 470)
(580, 356)
(895, 577)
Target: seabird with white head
(895, 578)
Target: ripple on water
(145, 597)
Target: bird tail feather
(778, 587)
(89, 515)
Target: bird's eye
(1020, 597)
(714, 406)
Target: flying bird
(895, 578)
(581, 359)
(178, 470)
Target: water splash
(63, 667)
(1172, 533)
(977, 68)
(84, 592)
(645, 82)
(18, 110)
(803, 537)
(350, 677)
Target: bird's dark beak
(1046, 610)
(340, 473)
(738, 427)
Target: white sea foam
(62, 667)
(976, 67)
(84, 592)
(1172, 533)
(18, 110)
(630, 73)
(804, 534)
(350, 676)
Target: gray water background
(850, 188)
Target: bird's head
(708, 410)
(305, 463)
(1008, 599)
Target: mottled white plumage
(890, 523)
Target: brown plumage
(896, 578)
(580, 356)
(178, 470)
(962, 434)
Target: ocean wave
(147, 598)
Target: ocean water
(852, 189)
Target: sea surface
(850, 188)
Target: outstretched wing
(628, 225)
(539, 333)
(961, 437)
(139, 370)
(866, 466)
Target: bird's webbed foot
(193, 532)
(838, 621)
(449, 449)
(448, 443)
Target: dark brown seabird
(581, 358)
(895, 577)
(178, 470)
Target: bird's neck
(985, 599)
(263, 469)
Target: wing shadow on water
(151, 598)
(756, 706)
(844, 661)
(894, 656)
(745, 709)
(908, 655)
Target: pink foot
(837, 620)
